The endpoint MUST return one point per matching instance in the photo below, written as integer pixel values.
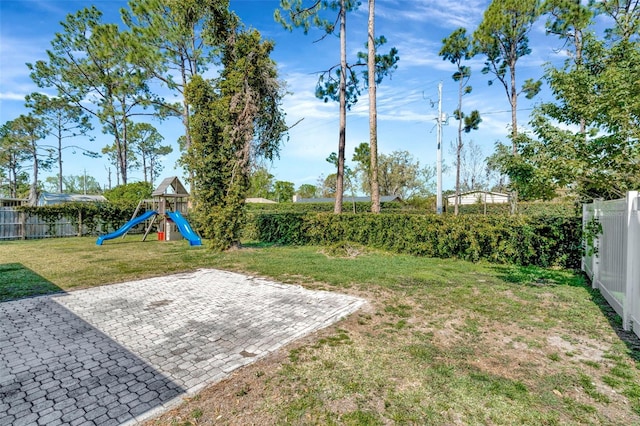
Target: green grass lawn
(441, 342)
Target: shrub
(130, 193)
(92, 216)
(523, 240)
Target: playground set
(168, 207)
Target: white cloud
(12, 96)
(440, 13)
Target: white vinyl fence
(614, 263)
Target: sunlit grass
(442, 341)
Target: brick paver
(119, 353)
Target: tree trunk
(185, 122)
(578, 47)
(125, 152)
(33, 188)
(59, 160)
(459, 147)
(514, 130)
(373, 113)
(514, 107)
(343, 109)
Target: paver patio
(121, 353)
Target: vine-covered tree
(457, 48)
(233, 122)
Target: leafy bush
(130, 193)
(426, 205)
(533, 208)
(522, 240)
(92, 216)
(347, 207)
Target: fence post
(23, 225)
(595, 259)
(585, 250)
(633, 252)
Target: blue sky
(407, 103)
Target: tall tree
(473, 170)
(13, 155)
(402, 176)
(260, 182)
(457, 48)
(91, 60)
(283, 191)
(362, 157)
(74, 184)
(179, 39)
(294, 14)
(625, 15)
(62, 121)
(349, 177)
(502, 37)
(568, 20)
(306, 190)
(26, 131)
(598, 94)
(373, 111)
(343, 86)
(232, 123)
(147, 142)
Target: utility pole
(439, 154)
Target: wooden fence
(614, 265)
(18, 225)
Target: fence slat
(615, 269)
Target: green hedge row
(522, 240)
(94, 217)
(347, 207)
(524, 208)
(567, 208)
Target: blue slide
(120, 232)
(185, 229)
